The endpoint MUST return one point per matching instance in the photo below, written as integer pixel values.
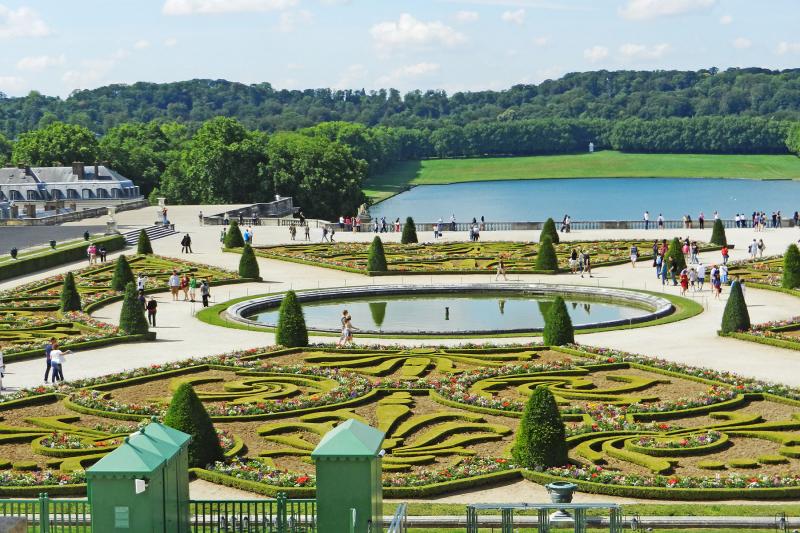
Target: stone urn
(561, 492)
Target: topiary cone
(233, 237)
(409, 235)
(541, 438)
(376, 256)
(131, 317)
(70, 299)
(122, 274)
(549, 230)
(143, 246)
(675, 251)
(558, 328)
(546, 255)
(791, 268)
(735, 317)
(718, 234)
(291, 331)
(248, 264)
(188, 414)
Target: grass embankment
(605, 164)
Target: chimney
(77, 169)
(96, 170)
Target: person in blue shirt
(48, 347)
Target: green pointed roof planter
(350, 439)
(159, 431)
(129, 458)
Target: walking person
(152, 308)
(222, 239)
(185, 287)
(501, 270)
(660, 221)
(91, 251)
(324, 235)
(573, 261)
(761, 248)
(663, 271)
(725, 254)
(347, 333)
(57, 362)
(701, 276)
(141, 282)
(684, 281)
(308, 232)
(142, 300)
(174, 283)
(184, 244)
(673, 272)
(192, 288)
(646, 220)
(343, 322)
(205, 292)
(101, 251)
(48, 348)
(200, 217)
(634, 255)
(587, 264)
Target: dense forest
(646, 95)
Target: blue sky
(56, 47)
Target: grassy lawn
(606, 164)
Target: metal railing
(46, 515)
(280, 515)
(543, 523)
(399, 520)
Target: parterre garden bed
(454, 258)
(29, 314)
(636, 426)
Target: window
(32, 195)
(57, 194)
(102, 193)
(87, 194)
(15, 195)
(72, 194)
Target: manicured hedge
(58, 257)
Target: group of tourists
(188, 284)
(347, 329)
(580, 261)
(96, 253)
(54, 361)
(693, 276)
(566, 224)
(293, 231)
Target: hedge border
(778, 343)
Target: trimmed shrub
(376, 257)
(549, 230)
(143, 246)
(541, 437)
(233, 237)
(546, 255)
(718, 233)
(378, 312)
(70, 299)
(558, 328)
(791, 268)
(186, 413)
(291, 331)
(675, 252)
(131, 318)
(248, 264)
(735, 317)
(409, 235)
(122, 274)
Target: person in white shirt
(174, 285)
(647, 220)
(57, 362)
(141, 280)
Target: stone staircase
(153, 232)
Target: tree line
(607, 95)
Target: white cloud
(39, 63)
(352, 77)
(725, 20)
(206, 7)
(596, 53)
(170, 41)
(514, 17)
(291, 19)
(141, 44)
(21, 22)
(409, 72)
(542, 40)
(641, 51)
(785, 47)
(467, 16)
(408, 31)
(11, 84)
(651, 9)
(92, 73)
(742, 43)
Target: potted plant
(561, 492)
(14, 253)
(53, 244)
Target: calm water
(591, 199)
(466, 313)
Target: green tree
(248, 264)
(718, 233)
(541, 440)
(143, 246)
(291, 331)
(735, 316)
(131, 317)
(558, 328)
(549, 230)
(675, 252)
(376, 257)
(233, 237)
(137, 151)
(409, 235)
(791, 268)
(5, 150)
(122, 274)
(58, 144)
(70, 299)
(546, 255)
(188, 414)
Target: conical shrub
(735, 317)
(143, 246)
(409, 235)
(378, 312)
(70, 299)
(233, 237)
(549, 230)
(376, 256)
(675, 251)
(718, 234)
(541, 438)
(188, 414)
(122, 274)
(546, 255)
(291, 331)
(248, 264)
(131, 317)
(558, 328)
(791, 268)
